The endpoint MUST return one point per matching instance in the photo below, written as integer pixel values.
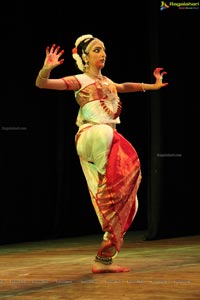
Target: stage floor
(61, 269)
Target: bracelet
(41, 77)
(142, 86)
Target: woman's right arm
(52, 60)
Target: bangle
(142, 86)
(41, 77)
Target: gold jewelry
(41, 77)
(142, 86)
(100, 76)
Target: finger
(157, 70)
(57, 49)
(161, 75)
(52, 48)
(61, 53)
(47, 50)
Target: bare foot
(101, 268)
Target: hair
(82, 47)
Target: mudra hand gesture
(158, 74)
(53, 55)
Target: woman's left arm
(127, 87)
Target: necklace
(112, 114)
(97, 76)
(109, 111)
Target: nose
(103, 54)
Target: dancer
(109, 162)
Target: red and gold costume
(110, 163)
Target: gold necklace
(99, 76)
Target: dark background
(43, 190)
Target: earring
(86, 64)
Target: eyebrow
(99, 47)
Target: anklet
(103, 260)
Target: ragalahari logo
(179, 5)
(164, 5)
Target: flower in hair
(75, 54)
(78, 60)
(74, 50)
(82, 38)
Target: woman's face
(96, 55)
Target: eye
(97, 50)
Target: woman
(110, 163)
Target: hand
(53, 55)
(158, 74)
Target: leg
(104, 259)
(103, 162)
